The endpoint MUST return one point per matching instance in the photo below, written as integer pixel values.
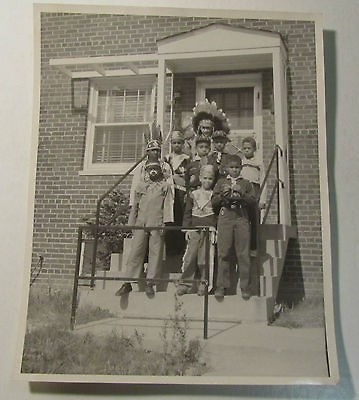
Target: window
(119, 115)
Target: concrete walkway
(237, 349)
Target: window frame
(107, 168)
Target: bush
(114, 210)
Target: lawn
(308, 313)
(51, 348)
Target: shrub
(114, 210)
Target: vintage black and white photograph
(180, 229)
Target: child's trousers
(141, 241)
(194, 256)
(233, 236)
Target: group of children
(210, 188)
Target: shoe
(150, 292)
(246, 295)
(201, 289)
(182, 289)
(219, 293)
(124, 289)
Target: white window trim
(90, 168)
(237, 80)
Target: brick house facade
(64, 195)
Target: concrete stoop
(163, 305)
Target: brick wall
(63, 197)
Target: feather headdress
(153, 137)
(209, 110)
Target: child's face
(219, 145)
(205, 127)
(177, 146)
(206, 179)
(234, 169)
(203, 149)
(248, 150)
(153, 154)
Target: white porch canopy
(215, 47)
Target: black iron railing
(277, 152)
(99, 229)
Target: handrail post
(278, 187)
(76, 279)
(207, 261)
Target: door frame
(236, 81)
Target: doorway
(240, 97)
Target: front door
(240, 97)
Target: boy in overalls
(153, 202)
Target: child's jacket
(234, 194)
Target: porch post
(281, 130)
(161, 95)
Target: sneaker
(124, 289)
(201, 289)
(150, 292)
(182, 289)
(246, 295)
(219, 293)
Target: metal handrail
(77, 276)
(275, 157)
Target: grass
(51, 348)
(308, 313)
(54, 307)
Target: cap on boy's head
(153, 145)
(251, 141)
(233, 159)
(220, 135)
(207, 169)
(177, 135)
(203, 139)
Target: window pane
(237, 103)
(121, 106)
(116, 144)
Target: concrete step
(273, 248)
(163, 305)
(277, 231)
(269, 266)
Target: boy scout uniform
(233, 231)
